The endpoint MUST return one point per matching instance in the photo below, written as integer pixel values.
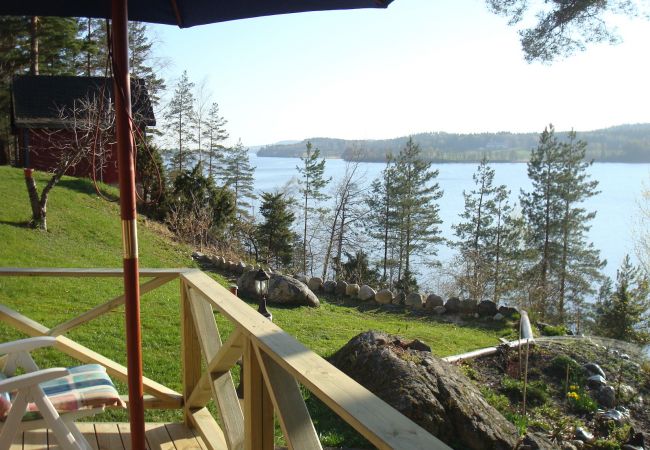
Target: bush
(580, 401)
(550, 330)
(558, 368)
(498, 401)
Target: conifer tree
(180, 111)
(557, 224)
(274, 234)
(237, 176)
(214, 134)
(312, 183)
(92, 58)
(142, 62)
(481, 234)
(417, 209)
(625, 313)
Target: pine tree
(238, 177)
(214, 134)
(142, 63)
(382, 215)
(561, 259)
(417, 208)
(274, 234)
(93, 50)
(180, 111)
(312, 183)
(480, 235)
(624, 314)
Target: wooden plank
(125, 434)
(17, 444)
(225, 358)
(377, 421)
(258, 409)
(83, 354)
(108, 436)
(209, 430)
(88, 431)
(222, 386)
(83, 272)
(106, 307)
(183, 438)
(151, 402)
(190, 350)
(157, 437)
(35, 440)
(294, 417)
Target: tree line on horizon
(623, 143)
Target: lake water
(612, 230)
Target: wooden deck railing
(273, 365)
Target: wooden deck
(116, 436)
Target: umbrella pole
(126, 169)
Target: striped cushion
(86, 387)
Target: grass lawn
(84, 231)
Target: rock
(222, 263)
(606, 396)
(302, 278)
(241, 267)
(431, 392)
(282, 290)
(434, 300)
(498, 317)
(366, 293)
(568, 446)
(453, 305)
(508, 311)
(610, 416)
(636, 442)
(352, 290)
(632, 447)
(536, 441)
(230, 266)
(596, 381)
(414, 300)
(315, 284)
(468, 306)
(584, 435)
(487, 308)
(440, 310)
(329, 287)
(341, 287)
(384, 297)
(578, 444)
(626, 393)
(625, 356)
(595, 369)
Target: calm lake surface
(612, 230)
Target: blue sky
(420, 65)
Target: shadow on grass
(86, 186)
(24, 224)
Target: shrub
(558, 368)
(536, 391)
(497, 401)
(580, 401)
(550, 330)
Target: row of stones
(414, 300)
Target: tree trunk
(33, 67)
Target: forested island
(622, 143)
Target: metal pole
(126, 169)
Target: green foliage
(151, 175)
(554, 330)
(237, 175)
(214, 133)
(605, 444)
(274, 234)
(536, 391)
(559, 365)
(562, 265)
(179, 115)
(356, 269)
(580, 401)
(624, 314)
(498, 401)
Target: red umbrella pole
(126, 168)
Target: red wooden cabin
(37, 102)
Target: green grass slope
(84, 231)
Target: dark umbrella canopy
(184, 13)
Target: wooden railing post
(190, 351)
(258, 409)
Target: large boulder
(366, 293)
(452, 305)
(431, 392)
(434, 300)
(329, 287)
(414, 300)
(384, 297)
(487, 308)
(341, 287)
(282, 289)
(352, 290)
(468, 306)
(315, 284)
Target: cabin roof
(37, 99)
